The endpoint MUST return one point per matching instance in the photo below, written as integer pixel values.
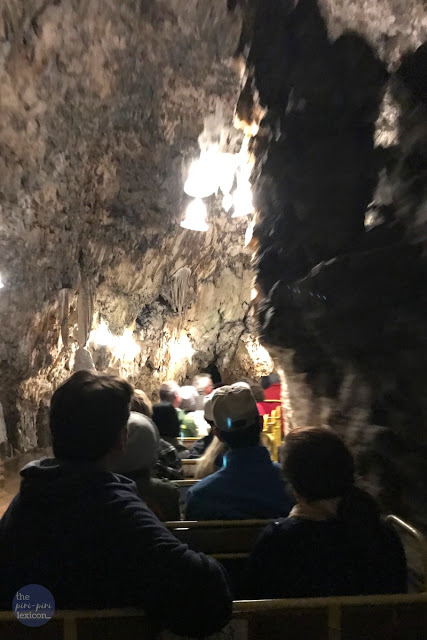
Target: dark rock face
(340, 231)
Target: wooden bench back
(219, 538)
(397, 617)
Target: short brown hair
(141, 403)
(317, 463)
(87, 413)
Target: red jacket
(272, 394)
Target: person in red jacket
(272, 396)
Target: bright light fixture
(202, 179)
(1, 285)
(195, 216)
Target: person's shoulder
(286, 527)
(280, 531)
(206, 483)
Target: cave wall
(339, 92)
(101, 106)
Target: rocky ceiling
(101, 106)
(339, 90)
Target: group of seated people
(87, 523)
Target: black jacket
(300, 558)
(86, 536)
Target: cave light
(242, 197)
(227, 165)
(125, 348)
(180, 349)
(101, 336)
(195, 216)
(202, 179)
(122, 347)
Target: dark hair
(87, 413)
(166, 419)
(256, 389)
(243, 437)
(318, 465)
(141, 403)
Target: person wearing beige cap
(249, 485)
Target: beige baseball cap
(234, 407)
(207, 405)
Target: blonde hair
(206, 464)
(141, 403)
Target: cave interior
(321, 105)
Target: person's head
(274, 378)
(141, 403)
(203, 384)
(88, 417)
(256, 388)
(142, 446)
(236, 417)
(317, 464)
(169, 392)
(189, 398)
(166, 420)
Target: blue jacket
(87, 536)
(248, 486)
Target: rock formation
(101, 107)
(339, 91)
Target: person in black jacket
(82, 532)
(334, 541)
